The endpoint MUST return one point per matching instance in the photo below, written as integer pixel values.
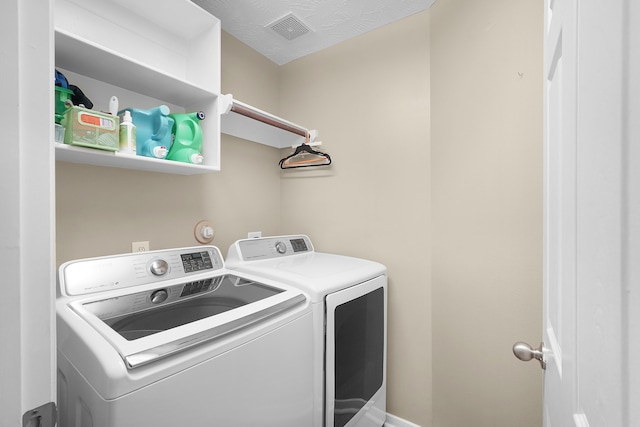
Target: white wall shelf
(135, 51)
(247, 122)
(72, 154)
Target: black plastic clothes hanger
(305, 156)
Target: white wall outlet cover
(140, 246)
(204, 232)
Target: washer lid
(143, 331)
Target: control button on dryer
(159, 296)
(159, 267)
(281, 247)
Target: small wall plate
(204, 232)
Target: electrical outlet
(139, 246)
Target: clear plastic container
(59, 135)
(89, 128)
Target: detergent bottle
(153, 130)
(187, 138)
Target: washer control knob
(159, 296)
(281, 247)
(159, 267)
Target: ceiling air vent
(289, 27)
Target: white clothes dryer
(172, 338)
(349, 298)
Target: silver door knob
(524, 352)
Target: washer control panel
(196, 261)
(93, 275)
(269, 247)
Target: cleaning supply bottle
(187, 138)
(127, 134)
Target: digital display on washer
(299, 245)
(196, 261)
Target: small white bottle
(127, 134)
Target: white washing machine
(349, 298)
(172, 338)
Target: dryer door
(356, 339)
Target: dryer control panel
(269, 247)
(93, 275)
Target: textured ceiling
(328, 22)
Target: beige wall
(434, 125)
(369, 99)
(486, 101)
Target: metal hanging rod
(254, 114)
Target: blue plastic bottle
(153, 130)
(187, 138)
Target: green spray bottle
(187, 138)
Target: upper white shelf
(104, 64)
(147, 53)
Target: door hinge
(42, 416)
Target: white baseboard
(393, 421)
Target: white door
(560, 211)
(592, 214)
(27, 323)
